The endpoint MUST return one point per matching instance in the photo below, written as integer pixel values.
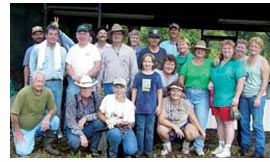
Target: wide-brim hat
(200, 44)
(86, 82)
(117, 27)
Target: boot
(49, 137)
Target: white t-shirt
(114, 109)
(82, 59)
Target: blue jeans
(145, 132)
(25, 148)
(72, 89)
(246, 110)
(57, 89)
(115, 136)
(199, 98)
(108, 89)
(89, 131)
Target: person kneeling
(33, 112)
(118, 112)
(82, 122)
(173, 122)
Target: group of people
(124, 90)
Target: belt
(53, 79)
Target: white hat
(120, 81)
(86, 82)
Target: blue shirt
(169, 47)
(66, 41)
(147, 86)
(48, 65)
(27, 55)
(159, 55)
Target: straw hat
(117, 27)
(86, 82)
(200, 44)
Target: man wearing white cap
(170, 44)
(118, 112)
(82, 123)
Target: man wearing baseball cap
(82, 59)
(153, 39)
(170, 45)
(37, 36)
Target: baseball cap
(154, 33)
(120, 81)
(174, 25)
(37, 29)
(82, 28)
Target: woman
(195, 75)
(183, 47)
(167, 71)
(174, 120)
(228, 79)
(134, 39)
(252, 100)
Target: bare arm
(46, 120)
(101, 116)
(265, 79)
(15, 124)
(181, 79)
(94, 71)
(159, 92)
(26, 73)
(71, 73)
(238, 91)
(134, 95)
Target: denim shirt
(75, 111)
(48, 65)
(67, 43)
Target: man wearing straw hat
(119, 61)
(82, 123)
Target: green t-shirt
(182, 60)
(31, 108)
(225, 79)
(197, 76)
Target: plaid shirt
(76, 110)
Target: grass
(210, 144)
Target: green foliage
(195, 34)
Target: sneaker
(218, 150)
(224, 154)
(185, 148)
(167, 147)
(199, 151)
(60, 134)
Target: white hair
(38, 73)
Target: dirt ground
(210, 144)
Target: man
(82, 123)
(102, 36)
(118, 61)
(50, 57)
(37, 36)
(33, 112)
(153, 39)
(118, 112)
(82, 59)
(170, 45)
